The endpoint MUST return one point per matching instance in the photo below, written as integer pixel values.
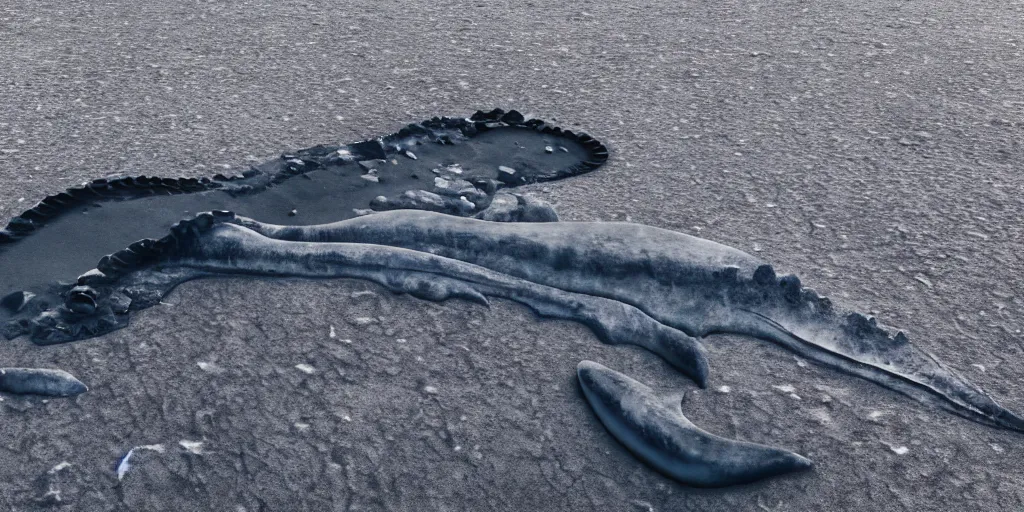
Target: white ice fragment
(724, 389)
(209, 367)
(875, 415)
(997, 448)
(430, 390)
(193, 447)
(371, 177)
(795, 396)
(332, 334)
(305, 368)
(64, 465)
(923, 280)
(507, 170)
(899, 450)
(302, 427)
(980, 367)
(785, 388)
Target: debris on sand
(193, 447)
(124, 465)
(923, 280)
(362, 321)
(899, 450)
(209, 367)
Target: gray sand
(872, 148)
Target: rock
(466, 206)
(15, 301)
(508, 175)
(455, 187)
(369, 164)
(413, 200)
(411, 155)
(503, 208)
(362, 321)
(119, 302)
(536, 210)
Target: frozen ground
(872, 147)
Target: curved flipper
(659, 434)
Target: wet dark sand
(72, 243)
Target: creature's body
(631, 284)
(690, 284)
